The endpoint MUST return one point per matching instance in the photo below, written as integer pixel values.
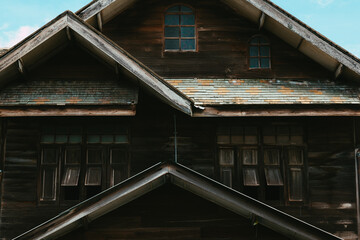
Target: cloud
(4, 26)
(323, 3)
(10, 38)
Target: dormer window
(180, 32)
(259, 51)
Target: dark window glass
(93, 176)
(188, 44)
(254, 63)
(49, 156)
(188, 19)
(254, 51)
(171, 20)
(49, 184)
(172, 44)
(226, 176)
(251, 177)
(71, 176)
(94, 156)
(171, 32)
(186, 9)
(296, 184)
(187, 32)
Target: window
(76, 170)
(259, 53)
(270, 170)
(180, 31)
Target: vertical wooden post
(357, 170)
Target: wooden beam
(99, 21)
(339, 70)
(68, 33)
(22, 69)
(300, 43)
(262, 20)
(43, 111)
(345, 111)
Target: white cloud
(10, 38)
(323, 3)
(4, 26)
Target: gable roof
(69, 27)
(267, 15)
(187, 179)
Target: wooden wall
(172, 213)
(222, 44)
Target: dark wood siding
(172, 213)
(222, 44)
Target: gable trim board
(276, 20)
(94, 41)
(187, 179)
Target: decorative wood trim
(45, 111)
(68, 33)
(262, 20)
(99, 21)
(339, 70)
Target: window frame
(179, 26)
(283, 166)
(259, 55)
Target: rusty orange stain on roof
(272, 101)
(317, 92)
(104, 101)
(264, 81)
(239, 100)
(236, 82)
(41, 100)
(304, 100)
(221, 91)
(175, 82)
(73, 100)
(337, 100)
(204, 82)
(253, 91)
(285, 90)
(189, 90)
(207, 101)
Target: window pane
(171, 31)
(226, 157)
(296, 184)
(249, 157)
(118, 156)
(93, 139)
(295, 157)
(174, 9)
(272, 157)
(188, 19)
(264, 51)
(265, 62)
(254, 51)
(48, 138)
(172, 19)
(273, 177)
(119, 174)
(71, 176)
(72, 156)
(49, 156)
(61, 139)
(188, 44)
(226, 176)
(186, 9)
(75, 139)
(251, 177)
(254, 63)
(107, 139)
(94, 156)
(187, 32)
(121, 139)
(49, 184)
(93, 176)
(172, 44)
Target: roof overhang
(184, 178)
(267, 15)
(68, 27)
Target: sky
(338, 20)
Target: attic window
(179, 30)
(259, 53)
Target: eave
(186, 179)
(68, 27)
(268, 16)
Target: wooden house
(206, 119)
